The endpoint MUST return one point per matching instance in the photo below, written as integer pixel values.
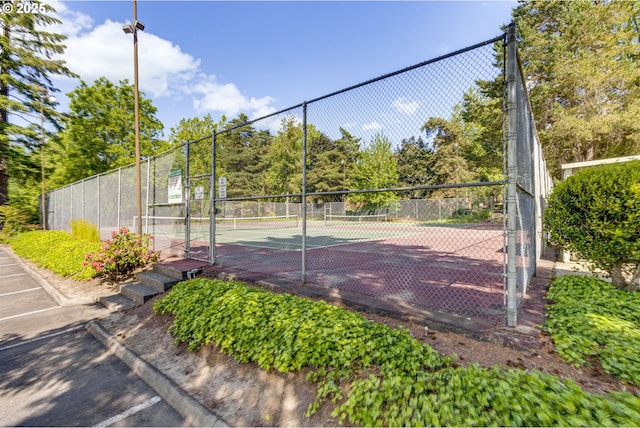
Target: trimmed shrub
(120, 256)
(596, 215)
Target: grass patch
(57, 251)
(82, 229)
(590, 319)
(373, 374)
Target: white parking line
(10, 264)
(46, 336)
(21, 291)
(131, 411)
(13, 274)
(29, 313)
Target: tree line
(580, 61)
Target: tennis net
(332, 219)
(264, 222)
(175, 225)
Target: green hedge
(376, 375)
(57, 251)
(596, 214)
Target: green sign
(175, 186)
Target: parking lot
(55, 373)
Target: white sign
(198, 193)
(222, 187)
(175, 186)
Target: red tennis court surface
(455, 270)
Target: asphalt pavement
(57, 371)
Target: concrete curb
(193, 412)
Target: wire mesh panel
(165, 216)
(109, 203)
(450, 264)
(91, 200)
(264, 157)
(393, 188)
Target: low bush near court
(590, 319)
(57, 251)
(373, 374)
(121, 255)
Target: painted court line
(131, 411)
(47, 336)
(21, 291)
(28, 313)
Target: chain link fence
(387, 189)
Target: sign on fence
(222, 187)
(175, 186)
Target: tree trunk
(622, 281)
(4, 138)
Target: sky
(259, 57)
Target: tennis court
(447, 267)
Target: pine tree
(581, 65)
(26, 70)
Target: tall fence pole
(512, 171)
(146, 204)
(304, 193)
(212, 203)
(187, 215)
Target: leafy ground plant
(57, 251)
(375, 375)
(120, 256)
(590, 319)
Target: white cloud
(371, 126)
(403, 106)
(227, 98)
(164, 69)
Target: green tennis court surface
(285, 232)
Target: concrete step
(179, 269)
(117, 302)
(170, 271)
(138, 292)
(159, 281)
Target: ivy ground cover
(371, 374)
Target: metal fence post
(99, 207)
(212, 203)
(304, 193)
(146, 206)
(187, 214)
(119, 195)
(512, 171)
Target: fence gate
(198, 197)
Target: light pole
(133, 29)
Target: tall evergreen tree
(330, 164)
(414, 168)
(581, 64)
(26, 70)
(448, 162)
(242, 151)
